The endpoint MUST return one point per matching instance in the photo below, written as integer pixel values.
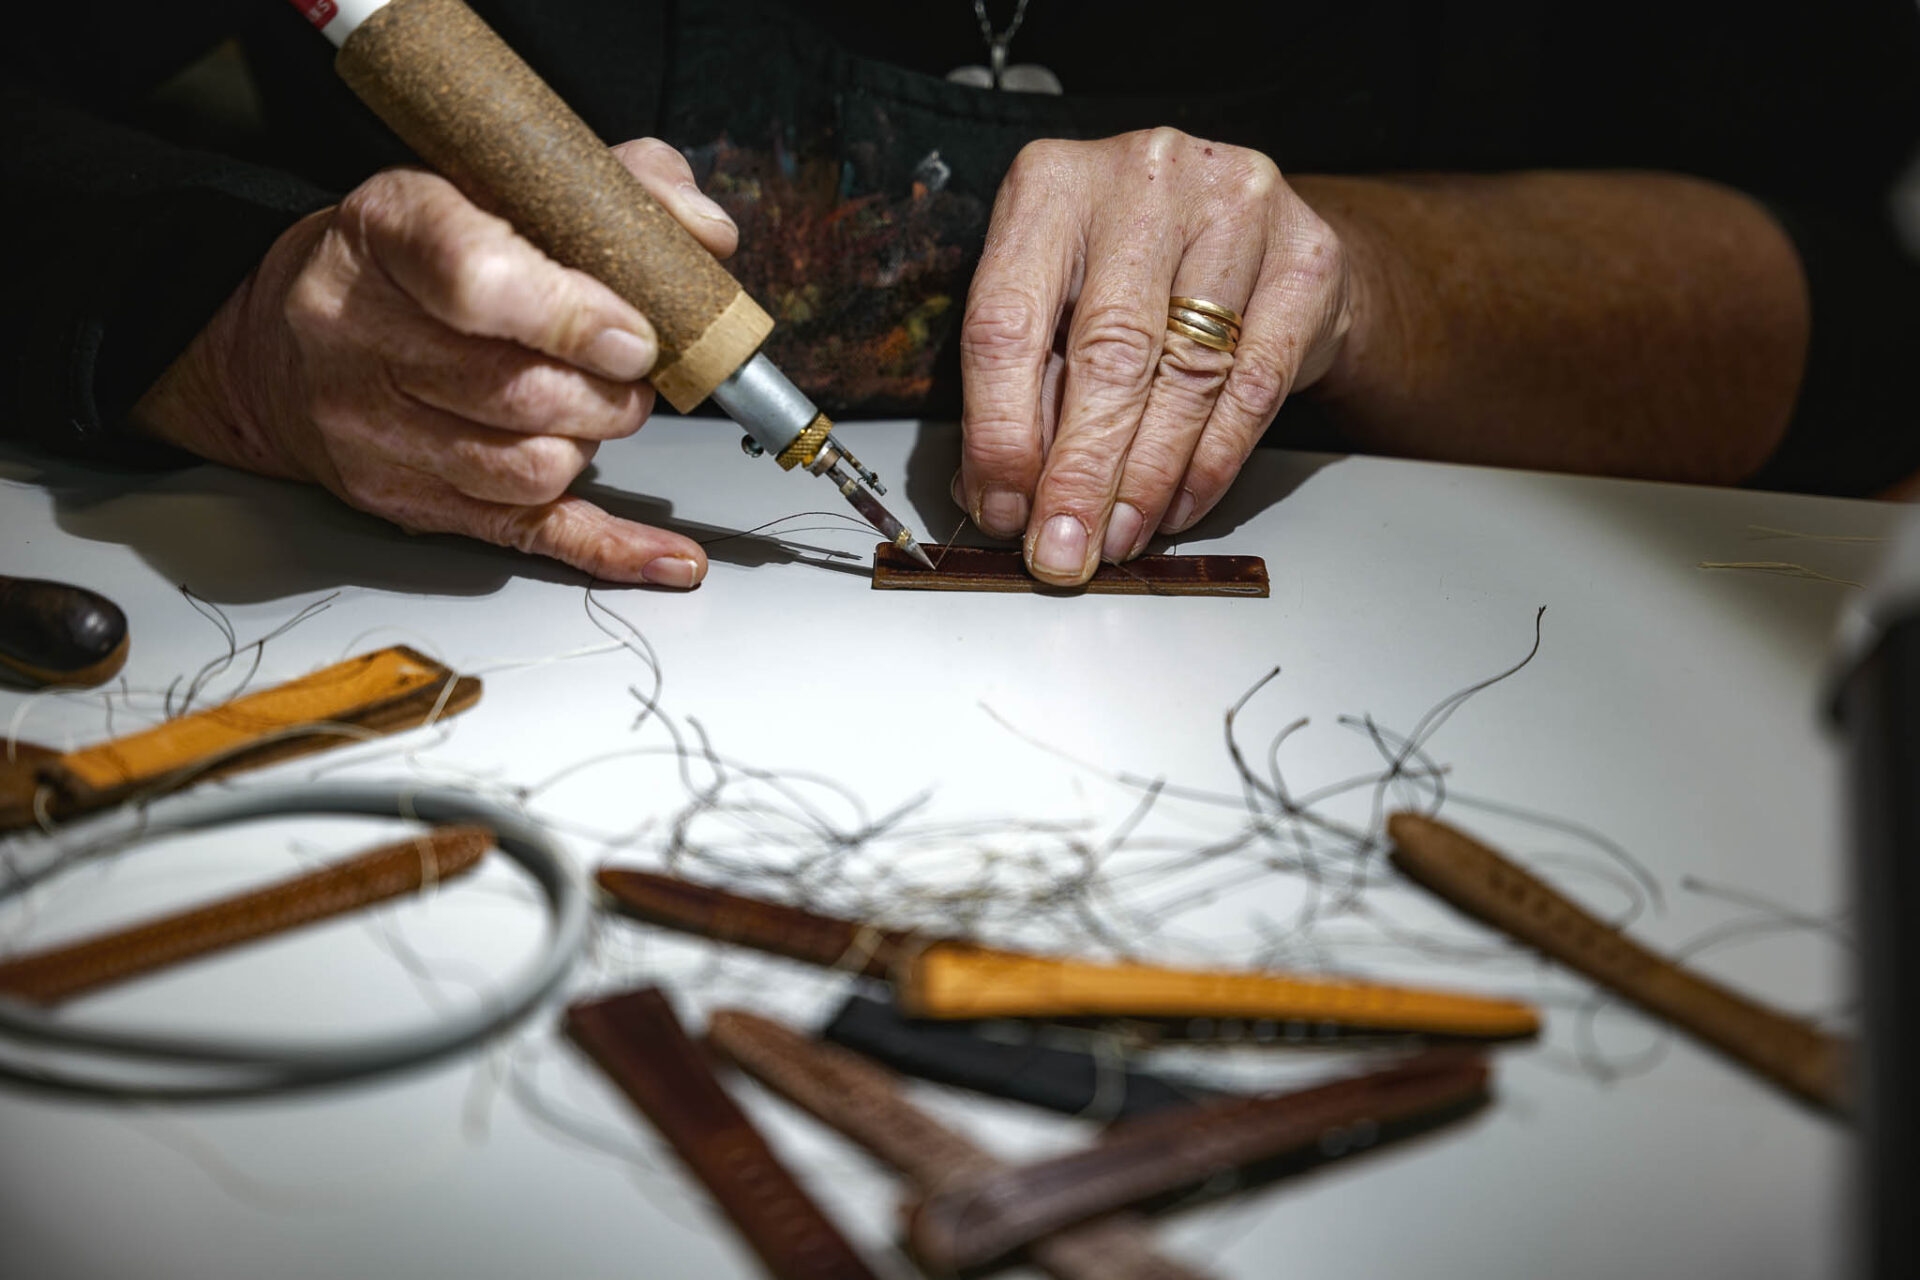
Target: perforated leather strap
(982, 569)
(638, 1042)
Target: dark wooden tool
(974, 1220)
(638, 1042)
(54, 633)
(61, 973)
(863, 1101)
(981, 569)
(376, 693)
(1477, 880)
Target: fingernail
(1123, 530)
(1062, 548)
(704, 205)
(622, 356)
(1180, 512)
(957, 492)
(670, 571)
(1003, 513)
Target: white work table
(1672, 709)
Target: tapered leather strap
(752, 922)
(944, 981)
(863, 1101)
(60, 973)
(971, 1222)
(1477, 880)
(376, 693)
(638, 1042)
(985, 569)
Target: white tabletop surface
(1672, 709)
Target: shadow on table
(936, 457)
(235, 538)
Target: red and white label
(319, 12)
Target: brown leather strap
(863, 1101)
(751, 922)
(640, 1044)
(376, 693)
(1477, 880)
(60, 973)
(984, 569)
(945, 981)
(982, 1218)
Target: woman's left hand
(1088, 424)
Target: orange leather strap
(60, 973)
(949, 981)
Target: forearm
(1626, 323)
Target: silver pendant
(1025, 77)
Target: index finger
(1006, 337)
(472, 272)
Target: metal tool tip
(913, 549)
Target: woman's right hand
(416, 356)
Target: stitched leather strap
(376, 693)
(970, 1223)
(60, 973)
(752, 922)
(945, 981)
(983, 569)
(863, 1101)
(1477, 880)
(1025, 1069)
(638, 1042)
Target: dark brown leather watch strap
(639, 1043)
(992, 569)
(863, 1101)
(752, 922)
(978, 1219)
(60, 973)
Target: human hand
(416, 356)
(1087, 424)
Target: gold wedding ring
(1207, 323)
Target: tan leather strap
(863, 1101)
(328, 694)
(1477, 880)
(981, 1218)
(60, 973)
(638, 1042)
(946, 981)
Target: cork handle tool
(471, 108)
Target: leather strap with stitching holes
(60, 973)
(638, 1042)
(975, 1220)
(370, 695)
(985, 569)
(1474, 878)
(864, 1103)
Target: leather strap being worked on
(60, 973)
(947, 981)
(984, 569)
(752, 922)
(984, 1217)
(1069, 1080)
(1474, 878)
(638, 1042)
(863, 1102)
(370, 695)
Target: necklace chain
(1004, 38)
